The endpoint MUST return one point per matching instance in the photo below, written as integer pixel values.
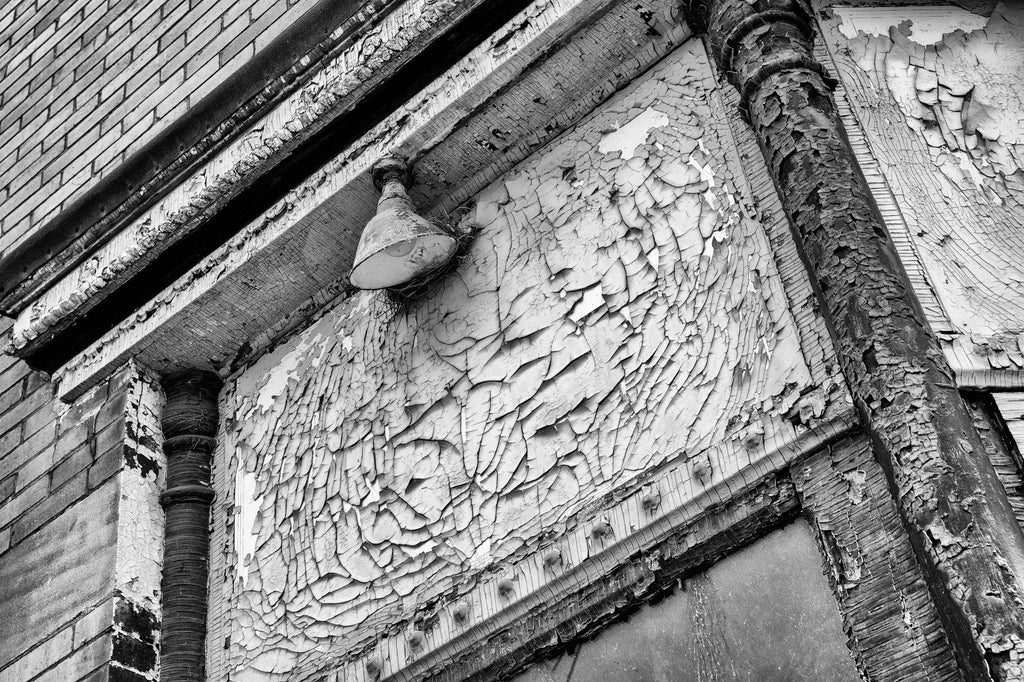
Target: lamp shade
(398, 246)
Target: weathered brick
(101, 674)
(50, 507)
(46, 655)
(138, 61)
(8, 441)
(10, 397)
(95, 622)
(85, 408)
(105, 466)
(77, 549)
(110, 437)
(34, 468)
(25, 450)
(70, 465)
(28, 405)
(70, 438)
(81, 663)
(43, 418)
(36, 380)
(17, 505)
(7, 488)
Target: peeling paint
(139, 562)
(397, 451)
(626, 139)
(937, 91)
(950, 498)
(925, 25)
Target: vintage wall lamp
(398, 247)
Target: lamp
(397, 245)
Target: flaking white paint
(454, 433)
(634, 134)
(925, 25)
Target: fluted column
(189, 426)
(958, 518)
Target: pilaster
(960, 523)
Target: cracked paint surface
(618, 311)
(140, 529)
(937, 91)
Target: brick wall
(59, 499)
(84, 83)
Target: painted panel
(619, 311)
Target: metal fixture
(398, 246)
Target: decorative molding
(364, 65)
(188, 141)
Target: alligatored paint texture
(618, 310)
(938, 93)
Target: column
(189, 426)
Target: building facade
(724, 382)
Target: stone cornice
(368, 62)
(188, 141)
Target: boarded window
(765, 613)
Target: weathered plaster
(614, 315)
(1000, 420)
(1011, 407)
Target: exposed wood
(961, 525)
(892, 624)
(1001, 424)
(1011, 407)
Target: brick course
(58, 509)
(84, 83)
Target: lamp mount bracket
(391, 168)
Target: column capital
(751, 41)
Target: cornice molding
(288, 62)
(364, 67)
(303, 242)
